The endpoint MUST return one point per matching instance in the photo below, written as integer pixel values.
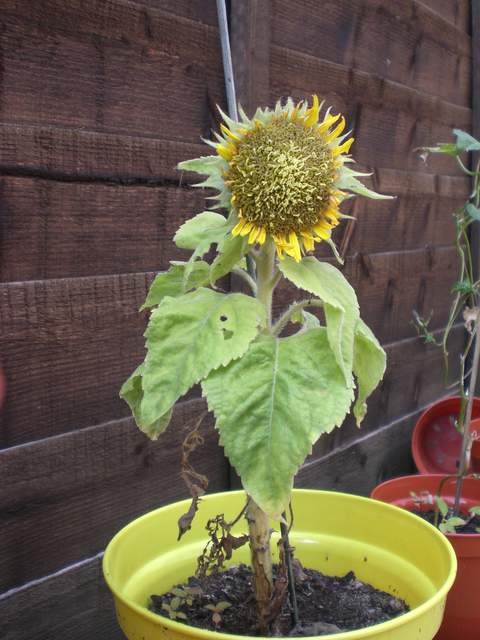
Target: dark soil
(326, 604)
(472, 525)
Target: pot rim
(419, 429)
(393, 481)
(357, 634)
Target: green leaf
(205, 165)
(465, 142)
(447, 148)
(475, 511)
(175, 282)
(369, 362)
(189, 336)
(472, 211)
(449, 525)
(349, 181)
(340, 304)
(271, 405)
(231, 250)
(202, 231)
(132, 393)
(442, 505)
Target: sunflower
(282, 175)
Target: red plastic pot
(436, 443)
(462, 612)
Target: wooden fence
(99, 99)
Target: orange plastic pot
(436, 443)
(462, 613)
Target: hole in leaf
(223, 318)
(227, 334)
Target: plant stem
(259, 533)
(291, 578)
(265, 282)
(467, 440)
(258, 522)
(285, 318)
(246, 277)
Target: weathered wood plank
(70, 154)
(358, 467)
(63, 498)
(51, 229)
(296, 72)
(68, 64)
(406, 223)
(67, 345)
(389, 120)
(198, 10)
(402, 41)
(250, 41)
(390, 285)
(72, 604)
(457, 12)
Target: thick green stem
(258, 522)
(259, 532)
(265, 278)
(285, 318)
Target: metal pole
(227, 59)
(230, 83)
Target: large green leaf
(369, 364)
(339, 300)
(202, 231)
(230, 251)
(132, 393)
(271, 405)
(189, 336)
(176, 281)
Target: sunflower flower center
(282, 176)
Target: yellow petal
(233, 198)
(328, 122)
(322, 232)
(226, 131)
(279, 248)
(308, 242)
(343, 148)
(295, 110)
(227, 152)
(336, 132)
(247, 227)
(262, 236)
(294, 244)
(253, 235)
(311, 117)
(237, 229)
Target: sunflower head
(282, 175)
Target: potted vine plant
(281, 176)
(447, 432)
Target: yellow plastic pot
(334, 533)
